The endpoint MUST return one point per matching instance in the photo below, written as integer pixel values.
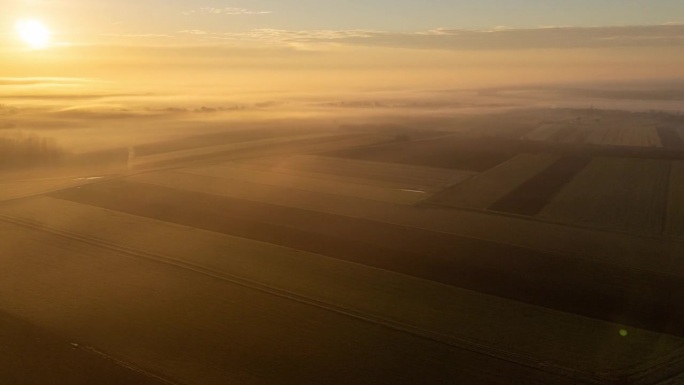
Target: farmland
(474, 155)
(489, 187)
(530, 197)
(405, 176)
(675, 208)
(626, 195)
(53, 354)
(603, 128)
(425, 305)
(476, 256)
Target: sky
(165, 16)
(185, 54)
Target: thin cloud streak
(226, 11)
(500, 38)
(42, 81)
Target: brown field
(399, 175)
(170, 157)
(21, 188)
(210, 140)
(671, 138)
(244, 182)
(225, 331)
(266, 173)
(544, 132)
(602, 135)
(638, 136)
(613, 193)
(29, 354)
(675, 204)
(455, 152)
(486, 188)
(611, 131)
(340, 256)
(532, 195)
(614, 248)
(436, 256)
(427, 309)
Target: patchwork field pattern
(245, 189)
(447, 258)
(614, 193)
(535, 193)
(371, 294)
(598, 134)
(477, 257)
(479, 154)
(403, 176)
(487, 188)
(337, 177)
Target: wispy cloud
(134, 35)
(193, 32)
(499, 38)
(543, 37)
(285, 36)
(226, 11)
(44, 81)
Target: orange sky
(123, 58)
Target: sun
(34, 33)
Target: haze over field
(341, 192)
(123, 64)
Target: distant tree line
(24, 150)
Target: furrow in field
(640, 253)
(478, 322)
(202, 330)
(525, 275)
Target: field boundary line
(460, 343)
(392, 190)
(673, 239)
(553, 253)
(129, 366)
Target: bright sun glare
(34, 33)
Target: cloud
(43, 81)
(226, 11)
(499, 38)
(538, 38)
(72, 96)
(193, 32)
(134, 35)
(301, 36)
